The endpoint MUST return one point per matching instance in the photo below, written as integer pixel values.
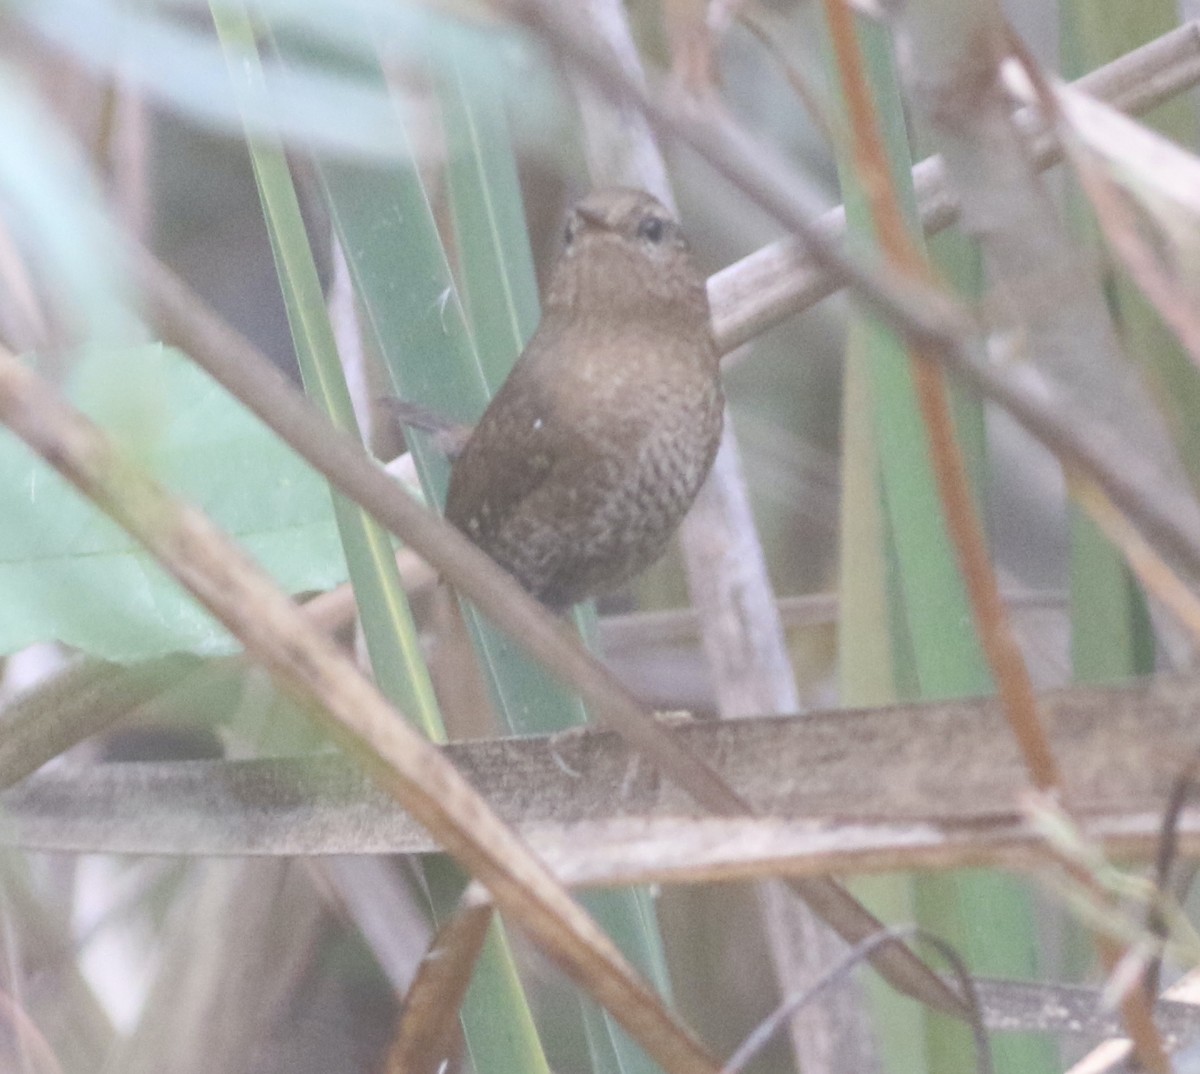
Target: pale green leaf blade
(68, 573)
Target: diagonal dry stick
(995, 630)
(962, 523)
(1167, 516)
(307, 435)
(431, 1005)
(238, 366)
(396, 756)
(266, 392)
(780, 279)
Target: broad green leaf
(68, 573)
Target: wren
(594, 448)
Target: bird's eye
(652, 229)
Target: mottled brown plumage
(594, 448)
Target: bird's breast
(577, 484)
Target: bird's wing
(518, 443)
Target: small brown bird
(592, 451)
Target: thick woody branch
(869, 787)
(397, 757)
(780, 280)
(1166, 515)
(233, 362)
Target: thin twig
(245, 599)
(779, 280)
(1168, 516)
(427, 1022)
(1182, 789)
(923, 313)
(1151, 570)
(995, 631)
(243, 371)
(83, 700)
(762, 1035)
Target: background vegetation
(197, 877)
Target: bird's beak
(592, 217)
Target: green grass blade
(495, 260)
(931, 627)
(868, 655)
(949, 660)
(1111, 635)
(866, 660)
(496, 1019)
(496, 266)
(498, 1027)
(388, 627)
(411, 307)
